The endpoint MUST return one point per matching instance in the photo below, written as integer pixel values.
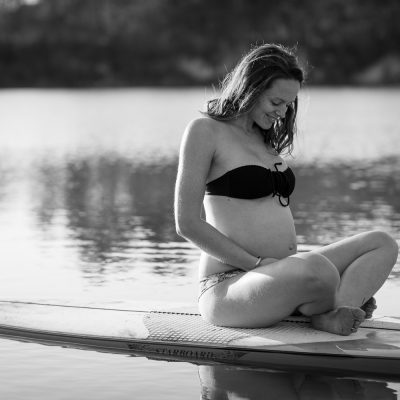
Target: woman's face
(273, 103)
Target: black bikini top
(253, 182)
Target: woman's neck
(247, 126)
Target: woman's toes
(369, 306)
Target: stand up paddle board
(185, 336)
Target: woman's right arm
(196, 155)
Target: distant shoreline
(179, 43)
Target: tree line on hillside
(192, 42)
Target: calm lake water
(86, 218)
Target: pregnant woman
(230, 163)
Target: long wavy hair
(255, 73)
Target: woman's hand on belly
(265, 261)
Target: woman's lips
(271, 118)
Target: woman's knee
(380, 239)
(320, 275)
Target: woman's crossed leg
(329, 284)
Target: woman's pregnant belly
(262, 227)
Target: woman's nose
(281, 110)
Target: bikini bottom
(211, 280)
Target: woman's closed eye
(279, 103)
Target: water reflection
(114, 210)
(228, 382)
(108, 199)
(333, 201)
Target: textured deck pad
(176, 327)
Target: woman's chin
(267, 125)
(264, 124)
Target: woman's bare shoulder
(205, 124)
(204, 130)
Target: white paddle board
(183, 335)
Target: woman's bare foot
(341, 321)
(369, 307)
